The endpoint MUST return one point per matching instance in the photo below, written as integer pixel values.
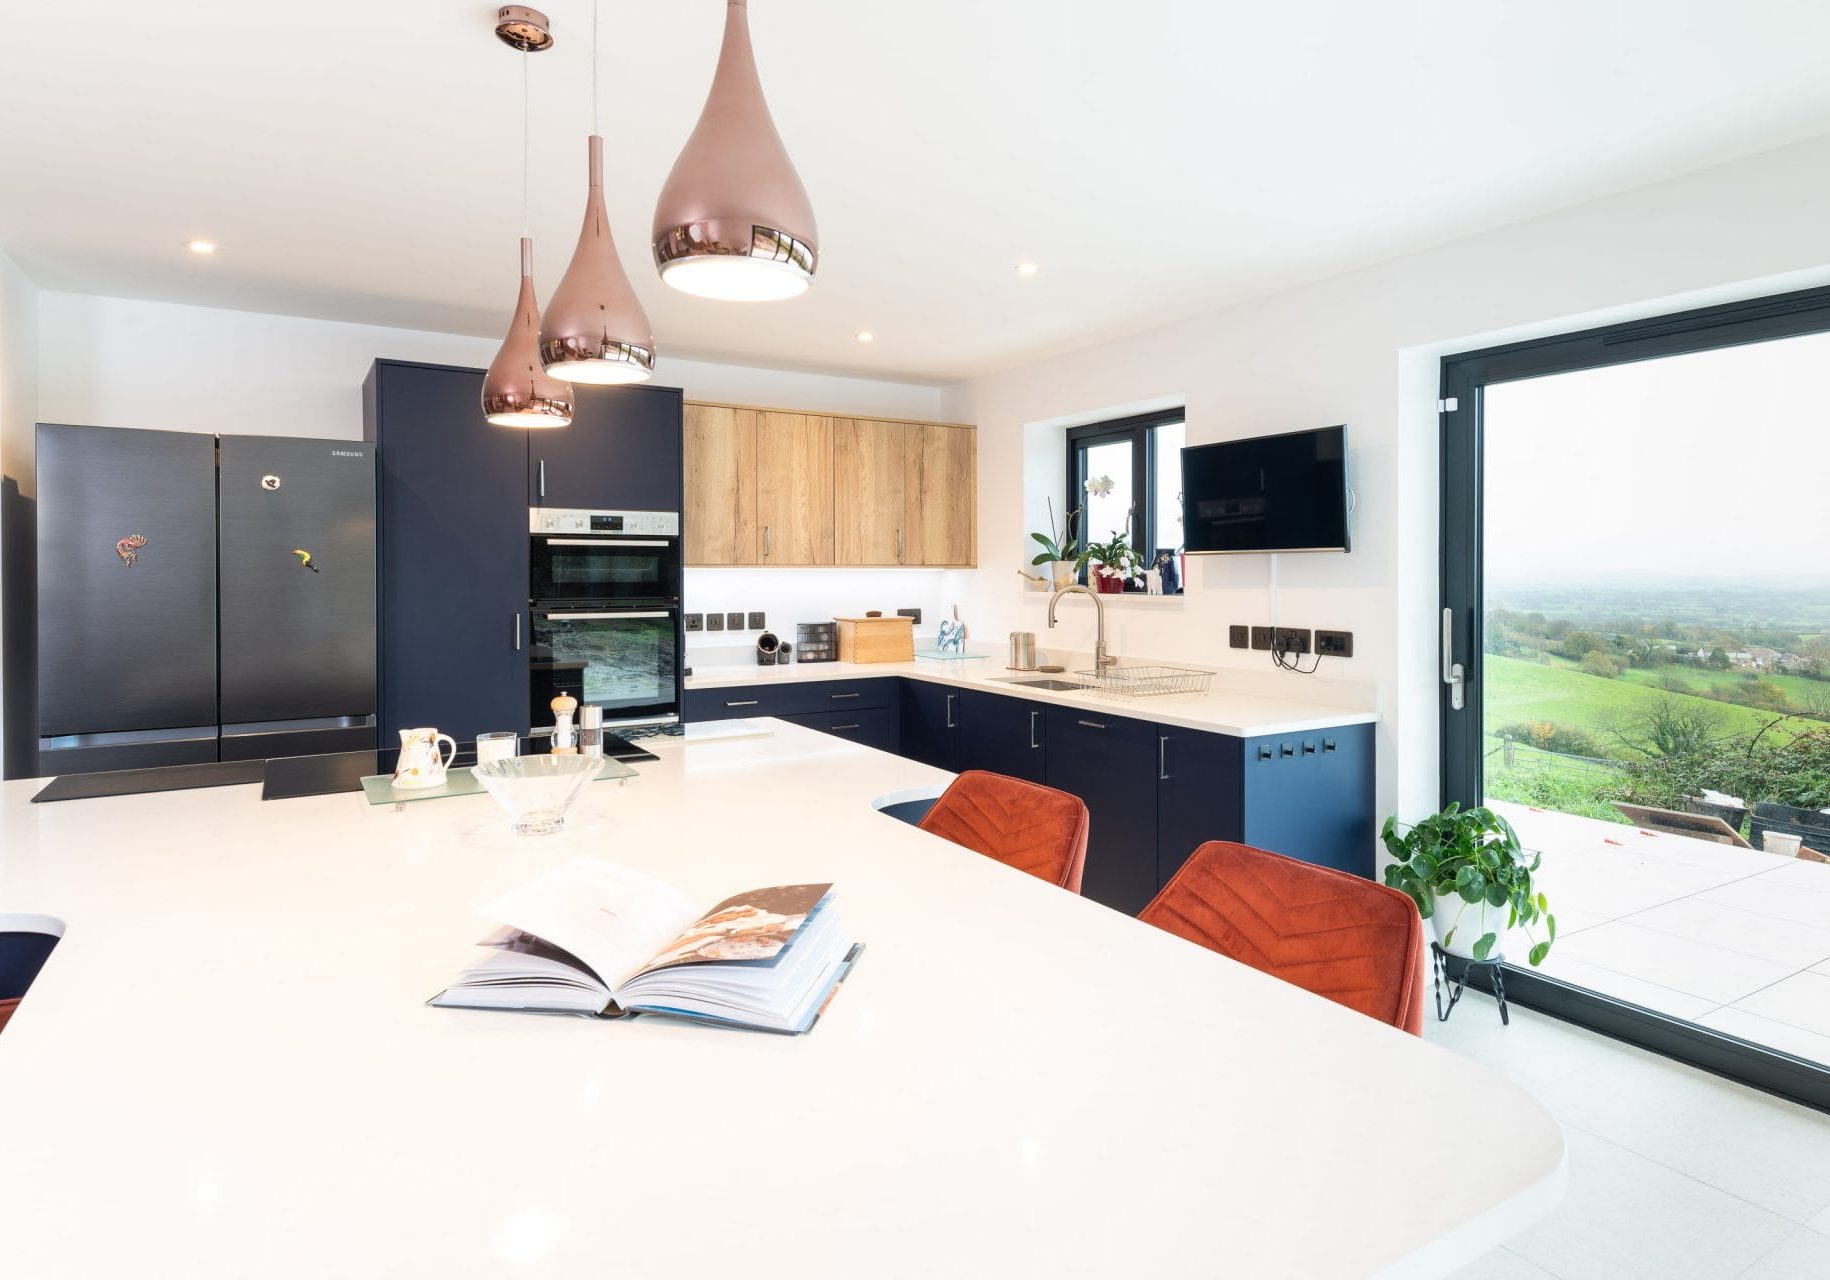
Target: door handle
(1034, 716)
(1162, 757)
(517, 631)
(1453, 673)
(768, 542)
(951, 722)
(543, 477)
(1090, 724)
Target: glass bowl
(537, 790)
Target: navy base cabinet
(930, 723)
(1199, 795)
(1310, 796)
(1110, 762)
(1001, 735)
(865, 711)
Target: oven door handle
(606, 542)
(592, 615)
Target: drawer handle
(837, 696)
(844, 728)
(1090, 724)
(750, 703)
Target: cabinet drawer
(789, 699)
(872, 726)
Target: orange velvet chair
(1023, 825)
(1356, 942)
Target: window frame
(1139, 430)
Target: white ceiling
(361, 161)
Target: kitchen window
(1126, 476)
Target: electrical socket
(757, 622)
(733, 622)
(1293, 640)
(910, 613)
(695, 622)
(1261, 638)
(1334, 644)
(1239, 637)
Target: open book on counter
(593, 938)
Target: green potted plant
(1114, 563)
(1061, 553)
(1471, 879)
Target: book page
(611, 918)
(756, 925)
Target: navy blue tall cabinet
(453, 547)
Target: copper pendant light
(733, 220)
(596, 330)
(516, 391)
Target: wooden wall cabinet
(771, 487)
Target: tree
(1597, 663)
(1578, 644)
(1671, 727)
(1816, 655)
(1718, 658)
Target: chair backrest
(1022, 824)
(1356, 942)
(25, 944)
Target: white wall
(1364, 349)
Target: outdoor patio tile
(1821, 1223)
(1625, 1215)
(1802, 1000)
(1725, 858)
(1751, 933)
(1765, 1150)
(1803, 1255)
(1501, 1264)
(1715, 973)
(1621, 986)
(1774, 897)
(1614, 882)
(1782, 1036)
(1801, 874)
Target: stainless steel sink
(1045, 682)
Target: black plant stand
(1440, 972)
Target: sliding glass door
(1636, 669)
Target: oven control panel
(652, 524)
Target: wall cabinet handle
(517, 631)
(543, 477)
(899, 546)
(1035, 718)
(1162, 757)
(768, 542)
(1091, 724)
(749, 702)
(951, 722)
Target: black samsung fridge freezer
(202, 598)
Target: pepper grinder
(591, 730)
(563, 706)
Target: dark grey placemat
(135, 782)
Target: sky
(1709, 465)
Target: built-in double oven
(605, 613)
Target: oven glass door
(605, 569)
(625, 661)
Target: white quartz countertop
(1218, 711)
(227, 1067)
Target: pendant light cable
(594, 128)
(526, 144)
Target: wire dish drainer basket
(1144, 682)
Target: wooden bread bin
(876, 639)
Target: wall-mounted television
(1269, 493)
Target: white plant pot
(1470, 922)
(1061, 573)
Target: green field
(1518, 690)
(1802, 690)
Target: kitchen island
(227, 1068)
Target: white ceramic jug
(421, 764)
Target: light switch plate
(757, 622)
(1239, 637)
(910, 613)
(714, 622)
(733, 622)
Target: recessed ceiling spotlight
(865, 335)
(1027, 269)
(202, 247)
